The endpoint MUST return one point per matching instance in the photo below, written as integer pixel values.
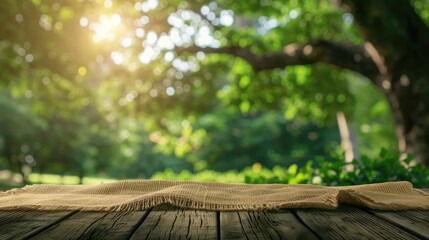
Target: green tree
(385, 42)
(19, 135)
(390, 52)
(163, 59)
(50, 118)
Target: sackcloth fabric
(133, 195)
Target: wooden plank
(262, 225)
(416, 222)
(95, 225)
(168, 222)
(348, 222)
(23, 224)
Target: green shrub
(291, 175)
(385, 167)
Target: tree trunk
(398, 42)
(348, 142)
(410, 109)
(81, 175)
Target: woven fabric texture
(143, 194)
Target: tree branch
(343, 55)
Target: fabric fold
(143, 194)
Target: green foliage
(233, 141)
(422, 8)
(387, 166)
(384, 168)
(287, 175)
(206, 175)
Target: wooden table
(168, 222)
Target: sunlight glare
(226, 17)
(146, 6)
(165, 42)
(140, 32)
(175, 36)
(293, 14)
(151, 38)
(168, 56)
(116, 19)
(117, 57)
(83, 21)
(105, 28)
(205, 10)
(127, 42)
(147, 55)
(181, 65)
(204, 38)
(108, 3)
(170, 91)
(174, 21)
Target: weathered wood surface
(262, 225)
(95, 225)
(23, 224)
(168, 222)
(350, 223)
(416, 222)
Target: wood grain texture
(350, 223)
(416, 222)
(168, 222)
(95, 225)
(23, 224)
(262, 225)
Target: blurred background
(100, 90)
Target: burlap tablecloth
(143, 194)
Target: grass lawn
(66, 179)
(9, 180)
